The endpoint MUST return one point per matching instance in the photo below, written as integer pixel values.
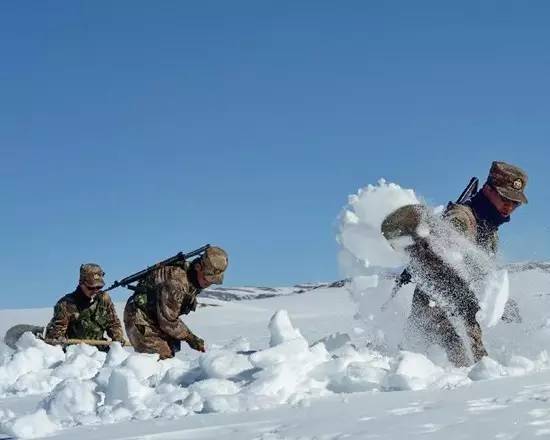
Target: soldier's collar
(82, 299)
(486, 212)
(192, 276)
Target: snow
(250, 382)
(288, 369)
(362, 244)
(493, 298)
(327, 363)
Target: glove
(196, 343)
(56, 341)
(123, 342)
(175, 345)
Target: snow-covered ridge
(250, 293)
(527, 265)
(247, 293)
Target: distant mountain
(527, 265)
(249, 292)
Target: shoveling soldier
(87, 313)
(151, 315)
(444, 304)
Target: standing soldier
(151, 315)
(86, 313)
(441, 293)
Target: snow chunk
(78, 365)
(34, 425)
(413, 371)
(71, 401)
(214, 387)
(493, 298)
(284, 352)
(223, 364)
(487, 368)
(125, 386)
(281, 329)
(359, 234)
(28, 369)
(116, 355)
(142, 365)
(357, 377)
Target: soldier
(151, 315)
(86, 313)
(441, 294)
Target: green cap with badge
(508, 180)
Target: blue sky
(131, 130)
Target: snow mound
(89, 387)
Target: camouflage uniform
(434, 317)
(151, 315)
(435, 321)
(76, 316)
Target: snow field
(88, 387)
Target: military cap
(91, 275)
(214, 262)
(508, 180)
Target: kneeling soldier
(86, 313)
(151, 315)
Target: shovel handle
(94, 342)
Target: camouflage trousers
(145, 336)
(436, 327)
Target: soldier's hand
(175, 345)
(196, 343)
(56, 341)
(123, 342)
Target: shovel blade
(14, 333)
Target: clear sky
(130, 130)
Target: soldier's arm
(463, 220)
(114, 327)
(57, 327)
(169, 299)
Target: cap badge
(518, 184)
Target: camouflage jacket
(464, 219)
(76, 317)
(428, 269)
(163, 296)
